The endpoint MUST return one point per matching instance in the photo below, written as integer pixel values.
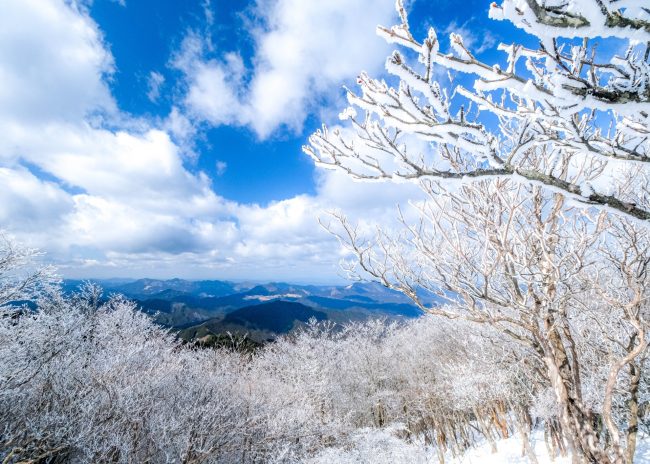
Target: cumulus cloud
(304, 51)
(108, 195)
(39, 205)
(52, 60)
(66, 180)
(213, 90)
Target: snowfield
(383, 447)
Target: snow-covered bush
(21, 276)
(91, 381)
(104, 383)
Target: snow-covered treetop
(21, 277)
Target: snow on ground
(510, 451)
(643, 451)
(374, 446)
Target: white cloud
(105, 201)
(221, 167)
(112, 190)
(477, 44)
(304, 51)
(155, 81)
(52, 63)
(213, 90)
(179, 126)
(39, 205)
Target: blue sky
(163, 138)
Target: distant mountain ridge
(197, 309)
(149, 287)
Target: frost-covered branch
(568, 115)
(21, 278)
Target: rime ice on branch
(570, 117)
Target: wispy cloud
(155, 81)
(221, 167)
(475, 42)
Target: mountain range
(205, 309)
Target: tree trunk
(633, 424)
(500, 421)
(484, 427)
(525, 426)
(576, 423)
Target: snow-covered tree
(537, 222)
(569, 113)
(21, 276)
